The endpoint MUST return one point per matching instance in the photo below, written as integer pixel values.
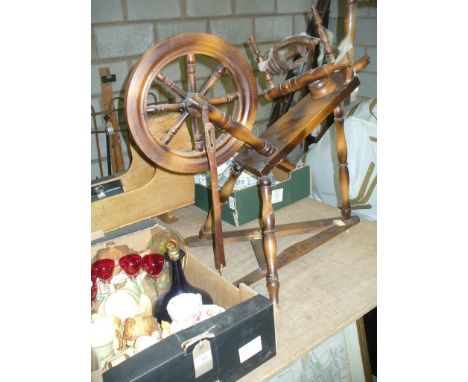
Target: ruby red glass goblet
(103, 269)
(153, 264)
(93, 291)
(131, 264)
(93, 275)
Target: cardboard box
(244, 205)
(243, 337)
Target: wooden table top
(320, 293)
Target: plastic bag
(361, 138)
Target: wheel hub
(193, 104)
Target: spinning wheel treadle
(234, 127)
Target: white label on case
(250, 349)
(202, 358)
(277, 195)
(232, 203)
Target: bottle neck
(177, 274)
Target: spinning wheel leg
(342, 154)
(269, 239)
(226, 190)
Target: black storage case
(240, 325)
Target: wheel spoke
(224, 99)
(197, 137)
(170, 85)
(174, 129)
(214, 77)
(192, 88)
(165, 108)
(191, 73)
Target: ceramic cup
(208, 311)
(123, 304)
(144, 342)
(185, 307)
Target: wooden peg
(260, 58)
(329, 54)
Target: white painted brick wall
(172, 28)
(273, 28)
(153, 9)
(254, 7)
(366, 32)
(368, 87)
(124, 29)
(236, 31)
(264, 110)
(206, 8)
(94, 55)
(103, 11)
(123, 40)
(117, 34)
(300, 23)
(294, 6)
(96, 103)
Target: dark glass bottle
(179, 284)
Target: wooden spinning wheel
(328, 86)
(233, 126)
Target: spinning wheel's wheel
(228, 67)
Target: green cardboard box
(244, 205)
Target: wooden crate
(149, 190)
(244, 335)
